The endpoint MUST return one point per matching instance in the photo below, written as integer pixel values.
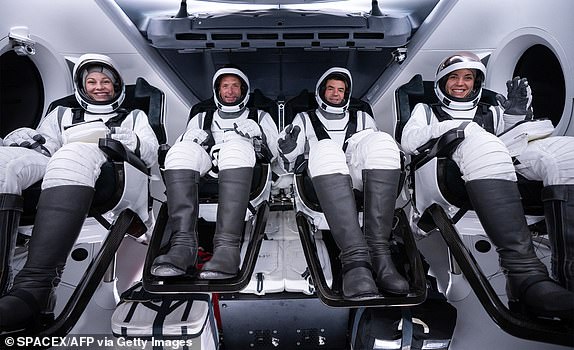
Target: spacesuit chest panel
(78, 115)
(481, 114)
(221, 126)
(338, 130)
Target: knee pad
(550, 160)
(74, 164)
(20, 168)
(377, 150)
(188, 155)
(236, 153)
(327, 157)
(484, 156)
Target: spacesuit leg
(551, 161)
(60, 216)
(11, 207)
(182, 207)
(380, 188)
(20, 168)
(377, 156)
(332, 183)
(499, 209)
(74, 164)
(236, 162)
(182, 180)
(559, 213)
(495, 198)
(67, 192)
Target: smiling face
(230, 89)
(99, 87)
(460, 83)
(335, 91)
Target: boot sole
(522, 309)
(362, 297)
(167, 271)
(215, 275)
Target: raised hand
(518, 97)
(288, 143)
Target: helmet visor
(98, 83)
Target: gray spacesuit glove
(288, 144)
(27, 138)
(518, 98)
(126, 136)
(247, 128)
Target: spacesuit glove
(27, 138)
(126, 136)
(247, 128)
(198, 136)
(287, 145)
(518, 98)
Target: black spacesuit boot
(380, 189)
(234, 188)
(498, 206)
(11, 207)
(559, 213)
(336, 198)
(183, 208)
(59, 219)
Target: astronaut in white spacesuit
(490, 176)
(70, 136)
(346, 151)
(230, 135)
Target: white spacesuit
(227, 140)
(70, 136)
(345, 151)
(489, 174)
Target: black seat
(452, 190)
(310, 219)
(208, 199)
(109, 190)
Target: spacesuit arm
(270, 133)
(418, 131)
(148, 144)
(50, 128)
(291, 143)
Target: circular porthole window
(21, 93)
(535, 54)
(542, 68)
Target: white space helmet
(337, 73)
(241, 101)
(89, 63)
(460, 60)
